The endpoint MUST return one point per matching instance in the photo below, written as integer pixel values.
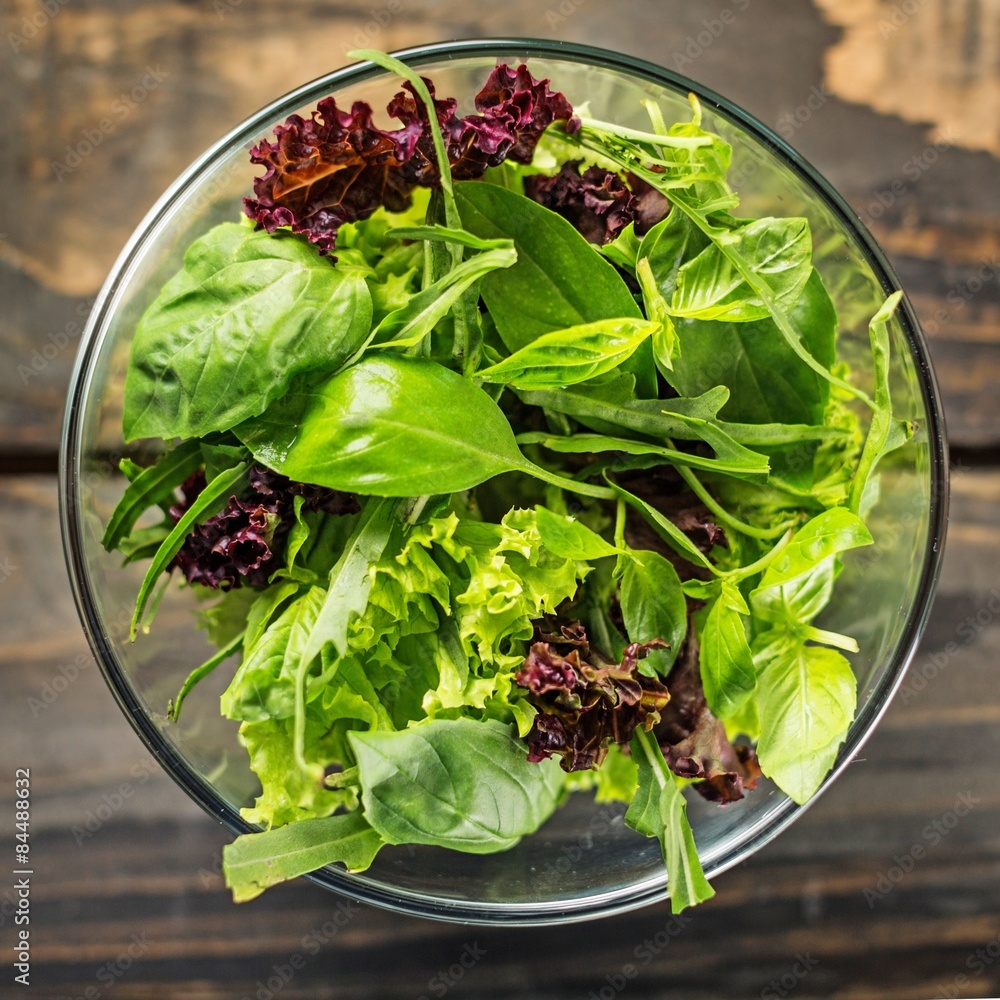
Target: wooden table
(899, 105)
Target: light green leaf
(727, 670)
(457, 783)
(351, 578)
(710, 287)
(565, 357)
(834, 531)
(568, 538)
(806, 697)
(653, 607)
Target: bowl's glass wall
(584, 860)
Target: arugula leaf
(739, 462)
(210, 501)
(246, 305)
(201, 672)
(417, 786)
(256, 861)
(727, 670)
(666, 529)
(565, 357)
(653, 607)
(151, 486)
(659, 810)
(351, 578)
(806, 697)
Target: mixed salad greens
(518, 466)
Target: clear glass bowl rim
(70, 458)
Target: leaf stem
(573, 485)
(730, 521)
(174, 707)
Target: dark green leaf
(152, 486)
(210, 501)
(740, 463)
(227, 335)
(768, 382)
(559, 280)
(256, 861)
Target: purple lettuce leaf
(584, 702)
(597, 202)
(244, 543)
(694, 741)
(337, 167)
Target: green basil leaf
(456, 783)
(387, 426)
(569, 539)
(559, 280)
(152, 486)
(226, 336)
(806, 697)
(799, 601)
(727, 671)
(653, 607)
(835, 530)
(565, 357)
(710, 287)
(210, 501)
(256, 861)
(768, 382)
(659, 810)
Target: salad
(509, 463)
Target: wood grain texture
(110, 101)
(125, 859)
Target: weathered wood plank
(109, 103)
(830, 893)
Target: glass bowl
(584, 862)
